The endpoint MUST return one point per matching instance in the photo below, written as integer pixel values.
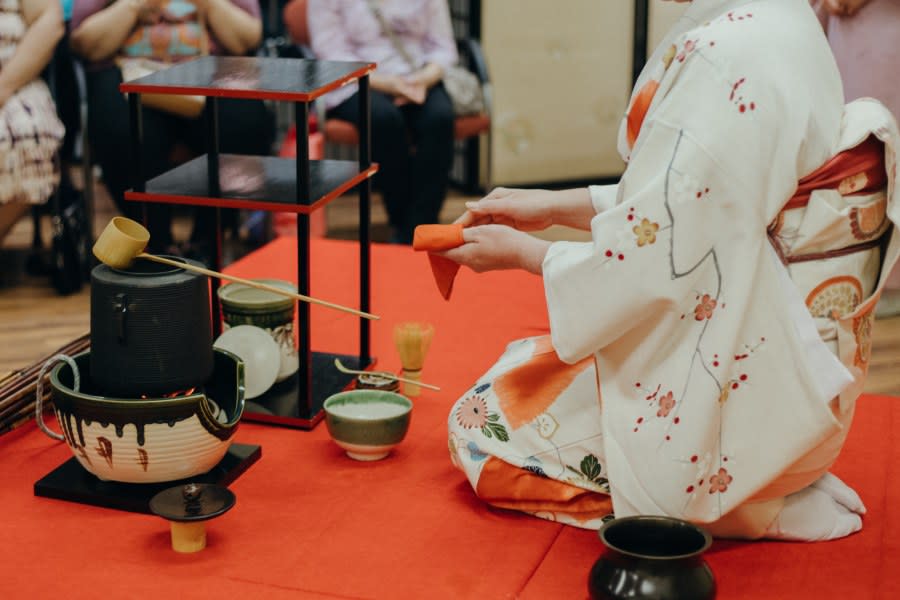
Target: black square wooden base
(70, 481)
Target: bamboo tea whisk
(412, 341)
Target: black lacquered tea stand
(269, 183)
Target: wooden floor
(35, 320)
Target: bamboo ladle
(124, 240)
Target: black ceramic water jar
(151, 329)
(647, 557)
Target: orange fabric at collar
(430, 238)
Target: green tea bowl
(367, 424)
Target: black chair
(68, 262)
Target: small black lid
(192, 502)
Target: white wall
(561, 74)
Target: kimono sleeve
(704, 174)
(603, 197)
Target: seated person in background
(30, 131)
(168, 31)
(865, 38)
(708, 346)
(412, 116)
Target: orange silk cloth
(434, 238)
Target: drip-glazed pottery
(367, 424)
(652, 557)
(149, 440)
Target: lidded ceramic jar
(245, 305)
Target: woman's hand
(844, 8)
(497, 247)
(401, 89)
(525, 210)
(409, 91)
(531, 210)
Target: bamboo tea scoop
(387, 375)
(123, 240)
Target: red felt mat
(311, 523)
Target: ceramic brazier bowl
(367, 424)
(154, 439)
(652, 557)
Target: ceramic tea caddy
(245, 305)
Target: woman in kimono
(707, 347)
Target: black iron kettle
(151, 329)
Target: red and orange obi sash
(856, 171)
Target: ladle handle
(255, 284)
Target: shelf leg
(365, 191)
(212, 171)
(136, 122)
(306, 402)
(639, 50)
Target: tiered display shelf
(273, 184)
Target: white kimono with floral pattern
(719, 388)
